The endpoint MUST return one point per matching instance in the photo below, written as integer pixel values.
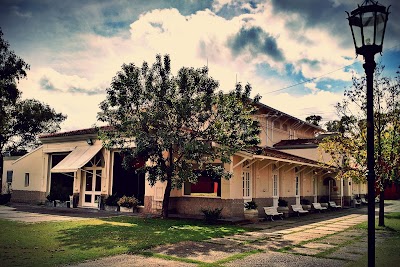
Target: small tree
(348, 147)
(176, 123)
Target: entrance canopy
(76, 159)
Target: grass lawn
(386, 252)
(55, 243)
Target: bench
(317, 206)
(298, 209)
(271, 212)
(332, 204)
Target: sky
(298, 55)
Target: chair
(271, 212)
(332, 204)
(317, 206)
(298, 209)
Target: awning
(76, 159)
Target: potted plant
(283, 207)
(211, 216)
(324, 201)
(305, 203)
(111, 203)
(250, 211)
(128, 204)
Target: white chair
(298, 209)
(317, 206)
(332, 204)
(271, 212)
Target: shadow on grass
(137, 234)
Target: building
(287, 165)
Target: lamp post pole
(369, 67)
(368, 24)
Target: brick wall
(193, 206)
(28, 196)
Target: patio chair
(364, 201)
(271, 212)
(333, 205)
(317, 206)
(298, 209)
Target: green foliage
(348, 147)
(5, 198)
(179, 123)
(20, 120)
(251, 205)
(69, 242)
(304, 201)
(112, 200)
(314, 119)
(211, 216)
(282, 202)
(128, 202)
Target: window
(297, 185)
(9, 176)
(246, 184)
(275, 185)
(26, 179)
(206, 185)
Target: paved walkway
(325, 239)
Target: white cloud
(192, 41)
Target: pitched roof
(278, 112)
(75, 132)
(297, 143)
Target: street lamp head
(368, 25)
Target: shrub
(5, 198)
(282, 202)
(212, 215)
(251, 205)
(304, 201)
(128, 202)
(112, 200)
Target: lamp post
(368, 25)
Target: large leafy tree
(314, 119)
(348, 147)
(20, 120)
(176, 123)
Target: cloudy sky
(297, 54)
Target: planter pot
(251, 215)
(306, 207)
(125, 209)
(284, 210)
(110, 208)
(49, 203)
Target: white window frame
(247, 186)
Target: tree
(176, 123)
(314, 119)
(20, 120)
(348, 148)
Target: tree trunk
(165, 204)
(167, 192)
(381, 220)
